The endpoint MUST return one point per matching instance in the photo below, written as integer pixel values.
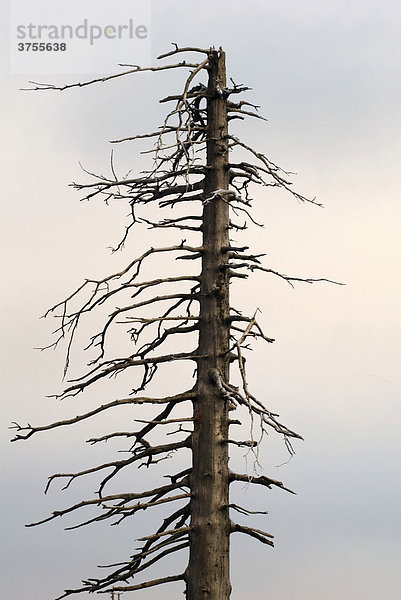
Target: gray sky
(328, 79)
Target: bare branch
(118, 365)
(125, 497)
(139, 400)
(145, 505)
(156, 536)
(261, 480)
(48, 86)
(289, 278)
(245, 511)
(166, 422)
(157, 319)
(177, 50)
(147, 584)
(247, 113)
(116, 466)
(258, 534)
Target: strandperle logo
(85, 31)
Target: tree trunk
(207, 575)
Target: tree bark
(207, 575)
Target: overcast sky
(327, 77)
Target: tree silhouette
(203, 176)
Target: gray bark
(207, 575)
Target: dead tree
(206, 173)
